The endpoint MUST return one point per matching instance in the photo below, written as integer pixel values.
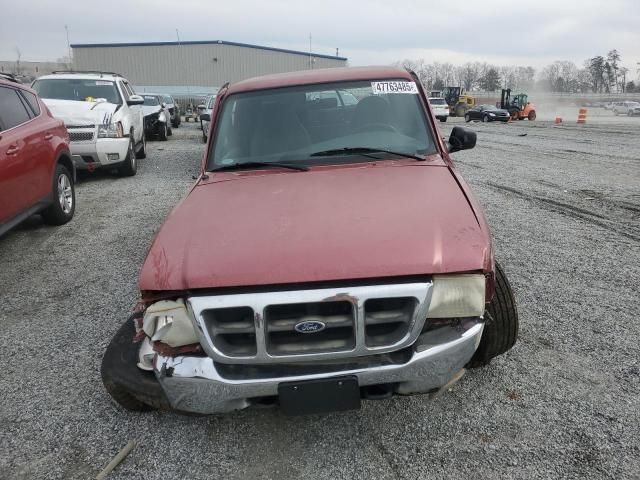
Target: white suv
(440, 108)
(102, 114)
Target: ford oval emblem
(310, 327)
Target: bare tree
(18, 58)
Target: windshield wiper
(365, 152)
(242, 165)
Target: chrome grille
(232, 330)
(91, 125)
(387, 320)
(260, 328)
(337, 335)
(80, 136)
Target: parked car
(204, 124)
(174, 110)
(323, 255)
(487, 113)
(102, 114)
(37, 174)
(625, 108)
(440, 108)
(156, 117)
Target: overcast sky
(523, 32)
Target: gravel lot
(564, 206)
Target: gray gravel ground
(564, 206)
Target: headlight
(112, 130)
(162, 117)
(169, 322)
(492, 114)
(457, 296)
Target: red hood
(330, 223)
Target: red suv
(36, 170)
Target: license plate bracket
(324, 395)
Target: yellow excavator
(458, 101)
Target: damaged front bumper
(200, 385)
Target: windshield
(437, 101)
(291, 124)
(151, 100)
(167, 100)
(82, 90)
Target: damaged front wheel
(131, 387)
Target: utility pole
(66, 28)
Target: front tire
(130, 387)
(163, 133)
(486, 119)
(467, 118)
(64, 198)
(443, 119)
(501, 323)
(129, 167)
(532, 116)
(142, 152)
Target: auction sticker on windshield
(382, 88)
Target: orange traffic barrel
(582, 115)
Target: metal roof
(203, 42)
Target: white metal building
(198, 63)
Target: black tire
(532, 115)
(63, 206)
(169, 131)
(501, 324)
(132, 388)
(467, 118)
(443, 119)
(486, 119)
(142, 151)
(163, 134)
(129, 167)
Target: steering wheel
(376, 126)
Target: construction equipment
(458, 101)
(519, 106)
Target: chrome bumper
(193, 384)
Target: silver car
(208, 108)
(625, 108)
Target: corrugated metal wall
(204, 64)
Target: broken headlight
(457, 296)
(169, 322)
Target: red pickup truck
(330, 251)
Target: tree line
(599, 74)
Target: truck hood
(329, 223)
(81, 113)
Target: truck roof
(324, 75)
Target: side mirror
(205, 116)
(461, 139)
(163, 105)
(135, 100)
